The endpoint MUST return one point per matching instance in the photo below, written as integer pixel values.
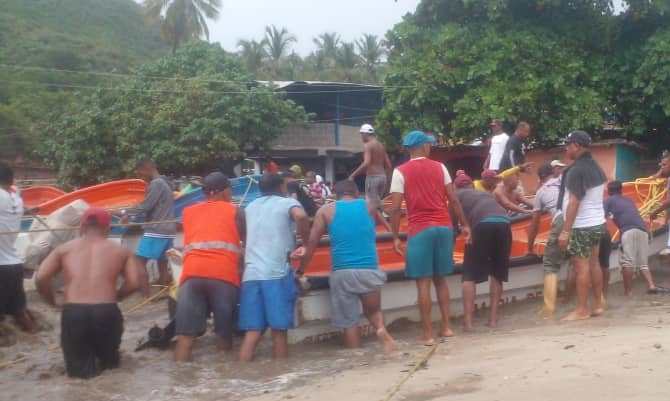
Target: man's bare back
(378, 158)
(91, 266)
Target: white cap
(557, 163)
(367, 129)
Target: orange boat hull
(37, 195)
(110, 195)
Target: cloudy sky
(246, 19)
(306, 19)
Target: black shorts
(604, 251)
(12, 294)
(488, 255)
(90, 338)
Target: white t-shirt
(398, 181)
(11, 211)
(591, 212)
(497, 150)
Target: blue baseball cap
(417, 138)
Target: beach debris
(569, 346)
(658, 346)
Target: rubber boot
(550, 293)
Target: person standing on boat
(488, 256)
(581, 202)
(355, 279)
(427, 189)
(664, 172)
(91, 321)
(498, 144)
(157, 207)
(634, 238)
(376, 165)
(12, 293)
(268, 292)
(210, 278)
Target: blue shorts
(268, 303)
(430, 253)
(153, 248)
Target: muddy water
(151, 374)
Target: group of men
(244, 256)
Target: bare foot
(598, 312)
(467, 328)
(427, 342)
(493, 324)
(446, 332)
(386, 340)
(574, 315)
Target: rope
(246, 192)
(420, 364)
(77, 228)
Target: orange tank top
(211, 242)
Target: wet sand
(623, 355)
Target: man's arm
(377, 216)
(301, 222)
(522, 199)
(533, 229)
(241, 223)
(458, 211)
(504, 201)
(367, 157)
(150, 201)
(132, 278)
(45, 274)
(396, 203)
(487, 162)
(570, 215)
(318, 229)
(388, 167)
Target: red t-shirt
(423, 183)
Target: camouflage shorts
(583, 240)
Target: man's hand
(526, 166)
(467, 234)
(298, 253)
(563, 240)
(397, 246)
(124, 219)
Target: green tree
(182, 20)
(327, 43)
(201, 111)
(253, 54)
(278, 43)
(347, 60)
(371, 51)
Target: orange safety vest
(211, 242)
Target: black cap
(545, 171)
(215, 182)
(580, 138)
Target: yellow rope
(418, 365)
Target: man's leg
(469, 294)
(570, 282)
(183, 349)
(583, 283)
(646, 273)
(496, 289)
(145, 288)
(352, 337)
(373, 312)
(279, 344)
(627, 273)
(425, 303)
(164, 277)
(442, 291)
(596, 281)
(249, 344)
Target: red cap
(488, 173)
(96, 216)
(462, 180)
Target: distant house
(330, 144)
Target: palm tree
(182, 20)
(370, 51)
(278, 42)
(253, 53)
(347, 59)
(327, 43)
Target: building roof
(318, 85)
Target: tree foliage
(561, 65)
(188, 112)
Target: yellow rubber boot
(550, 294)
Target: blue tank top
(352, 236)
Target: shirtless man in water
(376, 166)
(91, 322)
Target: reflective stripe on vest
(220, 245)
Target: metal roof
(288, 84)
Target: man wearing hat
(376, 166)
(497, 148)
(581, 203)
(557, 168)
(426, 187)
(91, 322)
(210, 278)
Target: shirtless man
(91, 322)
(507, 194)
(376, 165)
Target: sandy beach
(623, 355)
